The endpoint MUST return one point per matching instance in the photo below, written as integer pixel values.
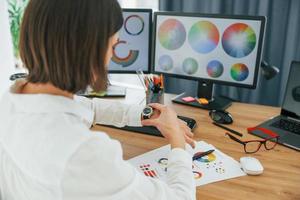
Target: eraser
(203, 101)
(188, 99)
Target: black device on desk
(150, 130)
(287, 124)
(210, 49)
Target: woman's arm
(114, 113)
(98, 171)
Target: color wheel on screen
(239, 72)
(165, 62)
(127, 60)
(134, 25)
(171, 34)
(215, 68)
(204, 37)
(190, 66)
(239, 40)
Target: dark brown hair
(66, 42)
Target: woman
(47, 150)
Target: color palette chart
(207, 47)
(204, 37)
(239, 40)
(214, 167)
(171, 34)
(131, 51)
(128, 59)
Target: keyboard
(150, 130)
(287, 125)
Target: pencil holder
(155, 97)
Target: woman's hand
(173, 129)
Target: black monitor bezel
(189, 14)
(285, 112)
(142, 10)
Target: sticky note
(203, 101)
(188, 99)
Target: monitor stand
(205, 90)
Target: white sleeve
(98, 171)
(114, 113)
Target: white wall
(6, 49)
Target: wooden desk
(280, 180)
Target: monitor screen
(132, 51)
(222, 49)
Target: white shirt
(48, 152)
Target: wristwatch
(147, 112)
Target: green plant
(16, 9)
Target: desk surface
(280, 180)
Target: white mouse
(251, 165)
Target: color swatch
(239, 72)
(190, 66)
(215, 68)
(165, 62)
(134, 25)
(204, 37)
(127, 60)
(239, 40)
(171, 34)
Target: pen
(228, 129)
(202, 154)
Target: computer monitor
(208, 48)
(133, 50)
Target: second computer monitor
(133, 50)
(219, 49)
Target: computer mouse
(221, 116)
(251, 165)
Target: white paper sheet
(214, 167)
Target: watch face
(147, 111)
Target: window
(153, 4)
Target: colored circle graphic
(215, 69)
(171, 34)
(165, 62)
(126, 61)
(208, 158)
(190, 66)
(134, 25)
(239, 72)
(239, 40)
(204, 37)
(197, 175)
